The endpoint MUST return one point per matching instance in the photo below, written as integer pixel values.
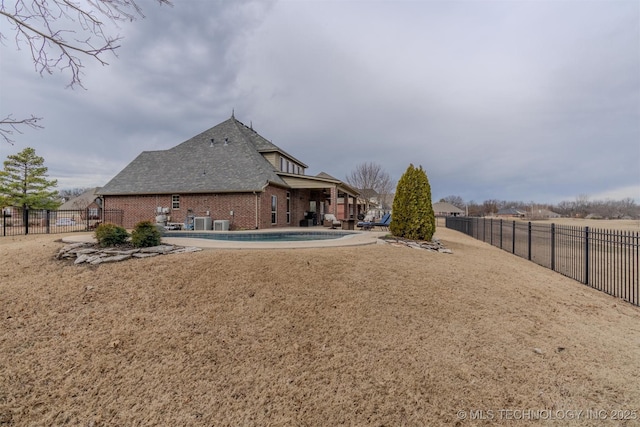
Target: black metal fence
(606, 260)
(18, 221)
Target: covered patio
(326, 195)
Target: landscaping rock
(162, 249)
(115, 258)
(139, 255)
(433, 246)
(90, 253)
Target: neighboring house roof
(510, 211)
(341, 185)
(81, 201)
(225, 158)
(546, 213)
(446, 208)
(325, 175)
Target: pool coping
(356, 238)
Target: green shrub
(413, 216)
(145, 234)
(111, 235)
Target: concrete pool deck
(358, 238)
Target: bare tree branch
(49, 28)
(9, 125)
(37, 23)
(372, 181)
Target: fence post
(25, 219)
(500, 233)
(553, 247)
(586, 255)
(529, 241)
(491, 231)
(513, 238)
(47, 222)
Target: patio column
(347, 200)
(334, 201)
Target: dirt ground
(373, 335)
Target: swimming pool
(267, 236)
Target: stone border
(434, 246)
(89, 253)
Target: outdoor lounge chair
(384, 222)
(366, 223)
(331, 221)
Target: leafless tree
(372, 181)
(490, 207)
(385, 192)
(70, 193)
(474, 209)
(9, 125)
(60, 33)
(581, 205)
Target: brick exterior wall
(219, 207)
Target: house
(373, 205)
(89, 201)
(543, 214)
(511, 213)
(446, 209)
(228, 173)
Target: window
(282, 165)
(288, 207)
(175, 202)
(274, 209)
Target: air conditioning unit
(221, 225)
(202, 223)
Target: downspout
(256, 194)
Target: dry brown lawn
(375, 335)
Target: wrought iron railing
(606, 260)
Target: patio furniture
(330, 220)
(384, 222)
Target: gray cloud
(506, 100)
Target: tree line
(583, 206)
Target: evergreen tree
(23, 182)
(413, 216)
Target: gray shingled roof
(231, 163)
(81, 201)
(440, 207)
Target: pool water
(284, 236)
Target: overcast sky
(509, 100)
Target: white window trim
(274, 209)
(288, 207)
